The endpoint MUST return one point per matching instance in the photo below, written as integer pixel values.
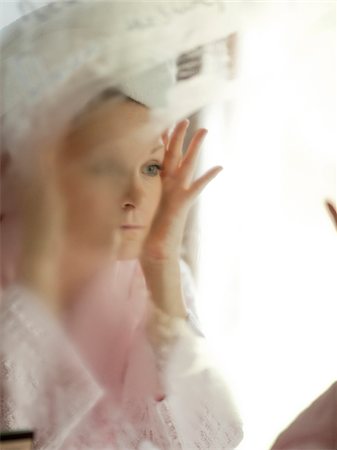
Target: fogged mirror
(168, 224)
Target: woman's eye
(152, 170)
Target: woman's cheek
(92, 204)
(153, 201)
(102, 203)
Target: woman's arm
(164, 283)
(161, 252)
(196, 404)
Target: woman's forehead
(118, 126)
(117, 117)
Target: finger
(191, 157)
(198, 186)
(174, 150)
(165, 138)
(332, 211)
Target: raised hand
(178, 193)
(161, 250)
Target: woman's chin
(129, 251)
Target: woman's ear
(4, 164)
(5, 160)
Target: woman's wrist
(163, 280)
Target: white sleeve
(198, 406)
(189, 296)
(45, 387)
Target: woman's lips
(132, 227)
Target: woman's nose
(127, 205)
(133, 195)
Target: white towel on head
(57, 58)
(151, 87)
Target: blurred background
(267, 253)
(260, 242)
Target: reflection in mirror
(143, 290)
(101, 342)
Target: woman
(96, 350)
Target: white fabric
(152, 86)
(55, 60)
(34, 353)
(47, 388)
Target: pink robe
(94, 381)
